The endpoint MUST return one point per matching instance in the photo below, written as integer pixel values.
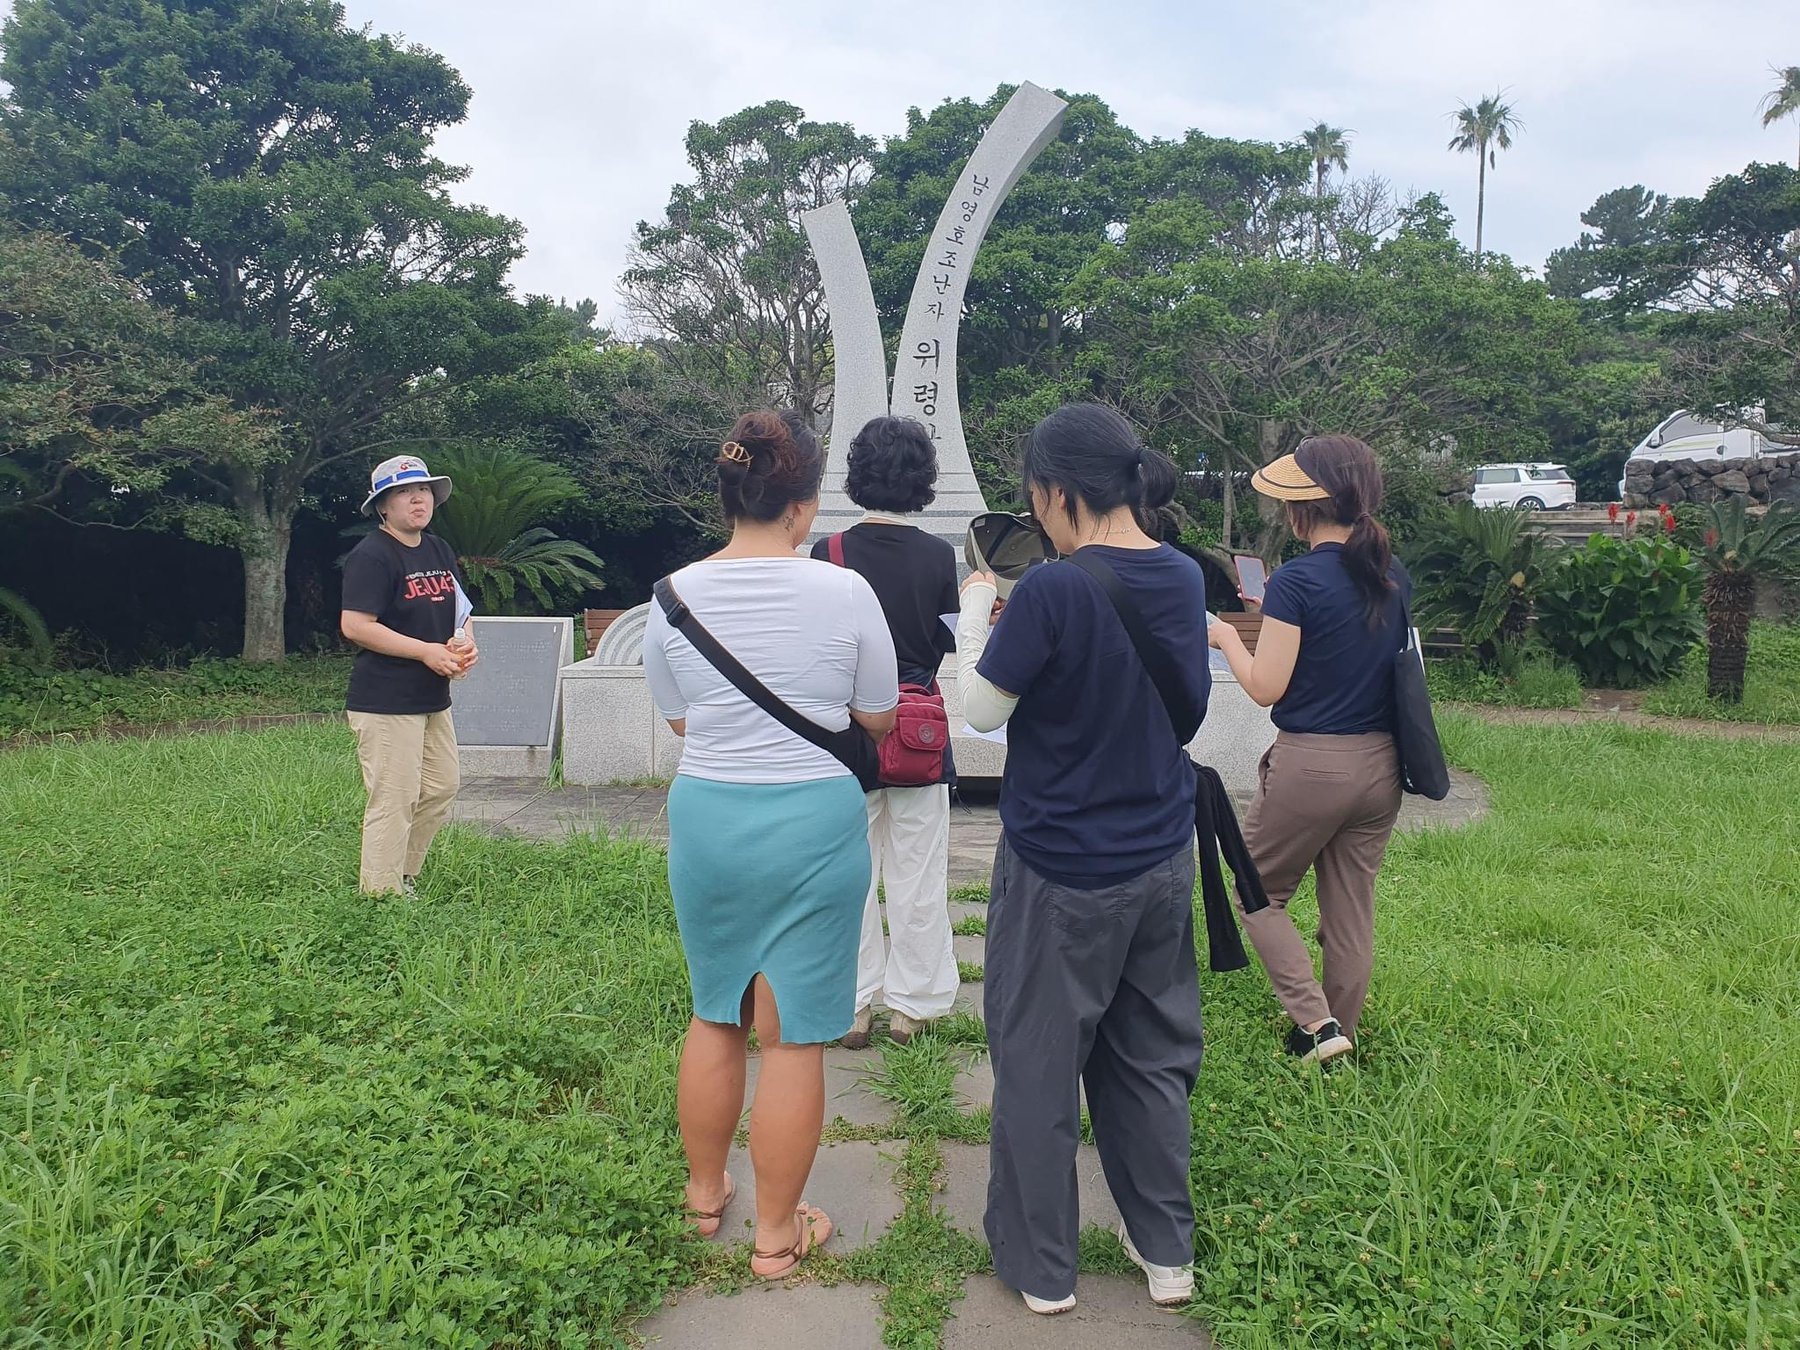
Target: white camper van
(1689, 435)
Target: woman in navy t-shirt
(1329, 788)
(1090, 973)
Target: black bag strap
(1158, 664)
(683, 620)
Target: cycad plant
(1478, 572)
(1734, 549)
(493, 519)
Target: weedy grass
(38, 702)
(240, 1104)
(1771, 682)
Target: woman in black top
(890, 474)
(400, 607)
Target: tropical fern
(494, 521)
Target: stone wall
(1651, 482)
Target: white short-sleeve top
(813, 633)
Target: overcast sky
(580, 105)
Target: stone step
(853, 1182)
(847, 1097)
(768, 1315)
(964, 1200)
(1110, 1311)
(972, 950)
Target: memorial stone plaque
(510, 698)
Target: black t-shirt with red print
(412, 591)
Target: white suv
(1524, 487)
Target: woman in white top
(768, 846)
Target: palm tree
(1330, 147)
(1734, 548)
(493, 522)
(1784, 99)
(1486, 129)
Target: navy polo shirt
(1343, 682)
(1097, 788)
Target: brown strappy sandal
(702, 1218)
(815, 1231)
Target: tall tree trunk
(267, 533)
(1319, 211)
(1480, 200)
(1228, 499)
(1729, 599)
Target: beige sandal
(815, 1230)
(703, 1217)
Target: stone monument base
(612, 734)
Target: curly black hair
(892, 466)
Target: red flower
(1712, 538)
(1669, 522)
(1631, 517)
(1612, 513)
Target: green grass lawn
(240, 1105)
(1771, 682)
(86, 700)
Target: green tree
(494, 522)
(1329, 147)
(1483, 129)
(726, 280)
(1731, 312)
(1735, 550)
(1230, 361)
(265, 173)
(1783, 100)
(1629, 226)
(96, 402)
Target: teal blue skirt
(770, 879)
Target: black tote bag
(1422, 769)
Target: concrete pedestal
(611, 733)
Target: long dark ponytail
(1347, 469)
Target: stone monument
(508, 709)
(923, 386)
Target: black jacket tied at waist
(1216, 828)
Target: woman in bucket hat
(401, 588)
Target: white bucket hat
(401, 469)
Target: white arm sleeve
(664, 692)
(984, 707)
(877, 672)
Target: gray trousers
(1097, 988)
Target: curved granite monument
(923, 385)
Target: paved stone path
(855, 1176)
(527, 807)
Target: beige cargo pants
(409, 769)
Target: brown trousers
(409, 768)
(1325, 803)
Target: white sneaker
(1044, 1307)
(1169, 1285)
